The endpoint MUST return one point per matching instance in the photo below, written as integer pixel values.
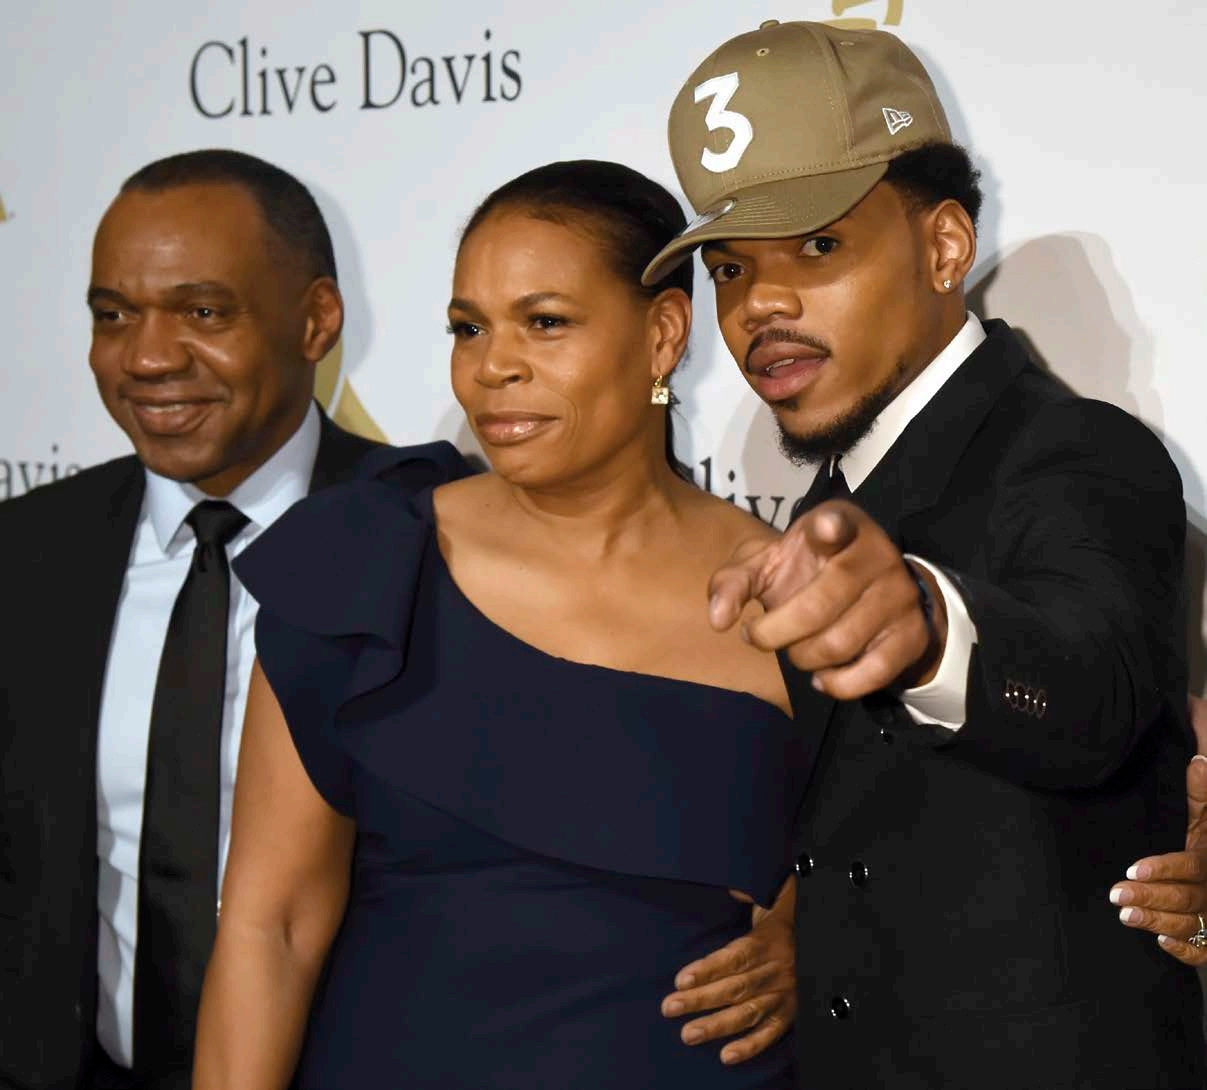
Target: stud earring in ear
(947, 285)
(661, 393)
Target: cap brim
(779, 209)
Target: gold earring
(947, 285)
(661, 393)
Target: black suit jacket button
(858, 873)
(804, 864)
(840, 1007)
(887, 736)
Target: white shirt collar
(264, 497)
(858, 462)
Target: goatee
(837, 437)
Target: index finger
(830, 527)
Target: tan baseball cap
(787, 128)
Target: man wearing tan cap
(976, 606)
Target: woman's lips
(505, 429)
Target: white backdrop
(1085, 117)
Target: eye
(105, 315)
(548, 321)
(819, 246)
(463, 330)
(725, 272)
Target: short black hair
(936, 172)
(632, 216)
(291, 213)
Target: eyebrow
(199, 287)
(535, 298)
(532, 299)
(718, 246)
(96, 294)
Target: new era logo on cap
(896, 120)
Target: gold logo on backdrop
(340, 400)
(4, 213)
(892, 16)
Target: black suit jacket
(64, 548)
(953, 923)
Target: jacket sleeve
(1078, 644)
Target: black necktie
(834, 487)
(178, 858)
(838, 489)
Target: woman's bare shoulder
(465, 509)
(727, 522)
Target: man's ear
(324, 309)
(952, 239)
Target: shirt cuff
(942, 700)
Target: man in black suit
(213, 296)
(976, 605)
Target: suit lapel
(338, 454)
(914, 473)
(93, 578)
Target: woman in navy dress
(500, 779)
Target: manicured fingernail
(730, 1056)
(691, 1035)
(1139, 872)
(1198, 757)
(817, 684)
(714, 609)
(672, 1007)
(1126, 915)
(1120, 895)
(745, 634)
(1164, 940)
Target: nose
(768, 299)
(154, 350)
(502, 363)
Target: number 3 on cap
(721, 89)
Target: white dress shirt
(941, 700)
(159, 561)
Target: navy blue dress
(541, 844)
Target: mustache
(783, 336)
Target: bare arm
(283, 898)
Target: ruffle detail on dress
(345, 561)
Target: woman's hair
(630, 216)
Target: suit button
(858, 873)
(887, 736)
(840, 1007)
(804, 864)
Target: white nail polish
(1132, 873)
(1126, 914)
(1116, 893)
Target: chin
(184, 466)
